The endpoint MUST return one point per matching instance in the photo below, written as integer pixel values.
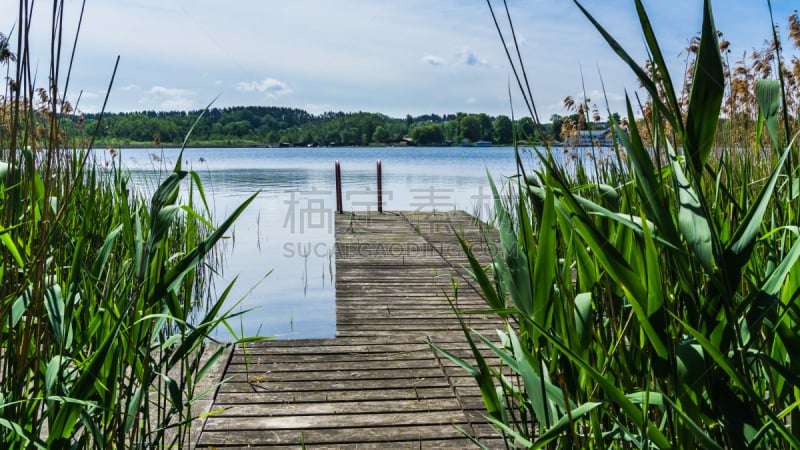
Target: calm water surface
(287, 232)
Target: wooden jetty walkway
(378, 384)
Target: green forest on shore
(274, 126)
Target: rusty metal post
(338, 187)
(380, 190)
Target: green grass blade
(613, 262)
(191, 259)
(563, 423)
(626, 405)
(479, 274)
(743, 241)
(660, 69)
(703, 438)
(17, 430)
(482, 374)
(650, 185)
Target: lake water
(288, 229)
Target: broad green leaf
(655, 291)
(692, 220)
(772, 285)
(20, 306)
(768, 95)
(53, 372)
(541, 398)
(513, 274)
(165, 195)
(764, 300)
(705, 98)
(691, 365)
(101, 259)
(8, 243)
(544, 269)
(190, 343)
(54, 304)
(584, 318)
(134, 408)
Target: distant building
(601, 138)
(404, 142)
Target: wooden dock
(378, 384)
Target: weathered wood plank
(322, 408)
(284, 397)
(374, 437)
(393, 418)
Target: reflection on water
(287, 232)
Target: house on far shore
(587, 138)
(404, 142)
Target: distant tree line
(259, 125)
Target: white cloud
(89, 95)
(434, 60)
(172, 99)
(270, 86)
(169, 92)
(470, 58)
(472, 100)
(318, 108)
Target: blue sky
(396, 57)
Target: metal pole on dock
(380, 190)
(338, 188)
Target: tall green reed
(98, 345)
(653, 302)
